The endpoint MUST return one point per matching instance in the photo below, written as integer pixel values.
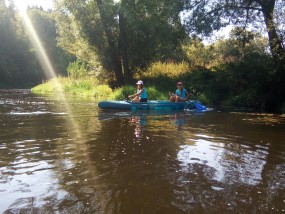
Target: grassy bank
(84, 87)
(90, 88)
(159, 78)
(216, 88)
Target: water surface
(58, 157)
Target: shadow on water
(218, 162)
(137, 162)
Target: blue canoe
(152, 105)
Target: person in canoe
(141, 95)
(181, 94)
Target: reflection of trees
(136, 175)
(273, 173)
(228, 165)
(235, 171)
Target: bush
(77, 70)
(154, 94)
(122, 93)
(102, 92)
(164, 76)
(168, 69)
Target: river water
(68, 156)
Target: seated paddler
(141, 95)
(181, 94)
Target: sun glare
(20, 5)
(45, 62)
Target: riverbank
(90, 88)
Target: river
(68, 156)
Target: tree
(44, 23)
(124, 35)
(233, 71)
(18, 67)
(206, 16)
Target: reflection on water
(137, 162)
(139, 124)
(239, 163)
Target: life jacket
(143, 94)
(181, 94)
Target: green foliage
(129, 34)
(197, 54)
(237, 71)
(51, 86)
(169, 69)
(234, 73)
(18, 67)
(154, 94)
(44, 23)
(122, 93)
(84, 87)
(204, 17)
(102, 92)
(164, 76)
(77, 69)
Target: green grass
(84, 87)
(90, 88)
(159, 78)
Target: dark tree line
(19, 66)
(15, 52)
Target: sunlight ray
(48, 68)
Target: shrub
(154, 94)
(102, 92)
(77, 69)
(122, 93)
(168, 69)
(164, 76)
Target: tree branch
(249, 8)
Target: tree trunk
(123, 45)
(275, 42)
(276, 95)
(117, 66)
(115, 56)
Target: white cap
(139, 82)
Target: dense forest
(160, 41)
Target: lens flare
(21, 5)
(47, 66)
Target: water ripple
(225, 162)
(37, 113)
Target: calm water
(74, 158)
